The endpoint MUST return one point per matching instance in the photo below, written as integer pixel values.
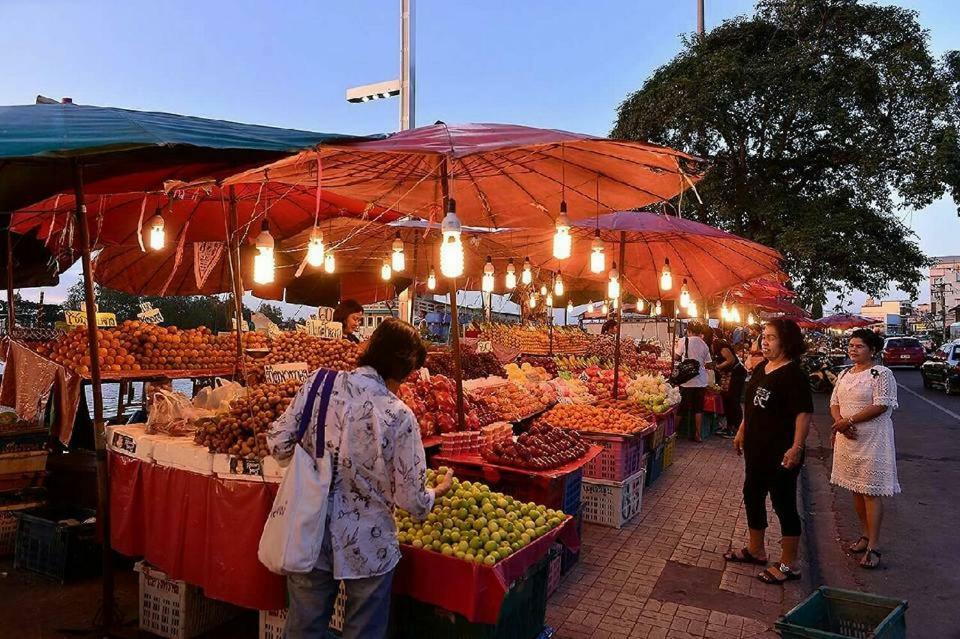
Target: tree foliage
(822, 118)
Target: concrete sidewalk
(663, 575)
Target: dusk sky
(563, 65)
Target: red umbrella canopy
(846, 321)
(801, 321)
(764, 288)
(776, 306)
(500, 175)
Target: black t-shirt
(772, 404)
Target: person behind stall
(609, 327)
(864, 456)
(754, 349)
(378, 465)
(692, 391)
(777, 413)
(350, 314)
(731, 376)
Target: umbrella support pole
(455, 346)
(108, 603)
(233, 248)
(616, 347)
(11, 311)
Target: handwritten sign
(280, 373)
(151, 316)
(326, 330)
(325, 314)
(233, 325)
(484, 346)
(79, 318)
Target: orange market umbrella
(846, 321)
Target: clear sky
(555, 64)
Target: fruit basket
(844, 614)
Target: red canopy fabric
(764, 288)
(802, 322)
(845, 321)
(777, 306)
(500, 175)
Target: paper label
(243, 466)
(325, 314)
(279, 373)
(150, 316)
(484, 346)
(79, 318)
(326, 330)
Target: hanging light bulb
(486, 282)
(558, 286)
(725, 312)
(684, 295)
(533, 300)
(398, 260)
(569, 306)
(562, 241)
(329, 262)
(616, 303)
(666, 277)
(658, 309)
(157, 234)
(543, 289)
(385, 271)
(526, 276)
(511, 279)
(263, 262)
(692, 309)
(597, 257)
(432, 280)
(590, 306)
(750, 319)
(451, 248)
(315, 248)
(604, 309)
(550, 300)
(613, 286)
(639, 304)
(735, 315)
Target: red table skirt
(205, 531)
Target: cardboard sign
(79, 318)
(484, 346)
(124, 442)
(325, 314)
(233, 325)
(243, 466)
(279, 373)
(326, 330)
(151, 316)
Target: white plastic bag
(218, 397)
(171, 414)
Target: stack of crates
(174, 609)
(614, 480)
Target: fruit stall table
(205, 530)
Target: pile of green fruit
(473, 523)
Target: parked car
(903, 351)
(943, 370)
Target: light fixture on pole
(604, 309)
(597, 258)
(613, 285)
(684, 295)
(511, 279)
(315, 248)
(543, 290)
(590, 306)
(550, 300)
(558, 285)
(569, 307)
(666, 277)
(263, 262)
(533, 300)
(616, 303)
(526, 276)
(398, 261)
(562, 242)
(432, 279)
(486, 283)
(157, 234)
(329, 262)
(692, 309)
(639, 304)
(658, 309)
(451, 248)
(385, 271)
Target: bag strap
(322, 413)
(321, 375)
(686, 348)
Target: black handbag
(688, 368)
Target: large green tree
(822, 119)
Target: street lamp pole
(700, 30)
(408, 103)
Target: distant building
(893, 313)
(944, 286)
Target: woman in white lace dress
(864, 457)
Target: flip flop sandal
(745, 557)
(788, 573)
(853, 547)
(867, 556)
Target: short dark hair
(345, 309)
(791, 337)
(695, 328)
(394, 350)
(873, 341)
(609, 326)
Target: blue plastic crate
(571, 492)
(53, 541)
(832, 613)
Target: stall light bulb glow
(597, 257)
(451, 248)
(550, 300)
(315, 249)
(569, 307)
(398, 260)
(543, 289)
(750, 319)
(533, 300)
(526, 276)
(558, 286)
(735, 315)
(658, 308)
(432, 280)
(263, 263)
(725, 313)
(486, 284)
(604, 309)
(692, 309)
(684, 295)
(590, 306)
(511, 279)
(158, 236)
(329, 263)
(640, 305)
(385, 271)
(613, 286)
(666, 277)
(562, 242)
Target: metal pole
(93, 344)
(408, 82)
(700, 29)
(11, 311)
(454, 315)
(233, 249)
(616, 350)
(413, 286)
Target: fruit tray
(612, 503)
(621, 457)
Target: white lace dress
(867, 464)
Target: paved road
(921, 532)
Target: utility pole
(408, 103)
(700, 30)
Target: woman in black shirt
(778, 409)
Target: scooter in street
(822, 373)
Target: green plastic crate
(831, 613)
(522, 613)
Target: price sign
(484, 346)
(79, 318)
(279, 373)
(326, 330)
(241, 466)
(325, 314)
(151, 316)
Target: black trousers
(765, 477)
(733, 399)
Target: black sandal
(853, 547)
(866, 557)
(745, 557)
(789, 574)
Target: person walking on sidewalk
(692, 391)
(864, 457)
(731, 376)
(771, 438)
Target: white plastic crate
(611, 503)
(174, 609)
(271, 621)
(8, 533)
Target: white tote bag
(294, 531)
